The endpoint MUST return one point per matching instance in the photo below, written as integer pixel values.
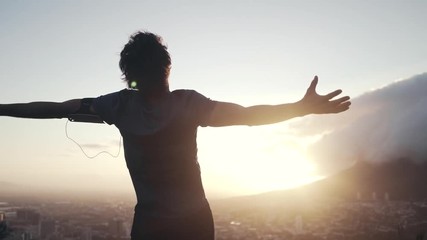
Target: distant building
(299, 227)
(25, 223)
(374, 196)
(116, 227)
(86, 234)
(29, 216)
(386, 197)
(47, 228)
(26, 236)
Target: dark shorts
(196, 226)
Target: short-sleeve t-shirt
(160, 147)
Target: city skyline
(360, 203)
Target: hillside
(400, 179)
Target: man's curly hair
(145, 62)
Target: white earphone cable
(96, 155)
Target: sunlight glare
(250, 162)
(282, 168)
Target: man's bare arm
(40, 110)
(227, 114)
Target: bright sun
(279, 169)
(249, 162)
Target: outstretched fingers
(343, 107)
(340, 105)
(340, 100)
(333, 94)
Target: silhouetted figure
(159, 129)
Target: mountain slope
(401, 180)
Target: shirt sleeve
(201, 108)
(107, 107)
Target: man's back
(160, 147)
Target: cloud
(382, 125)
(94, 146)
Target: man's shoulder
(183, 92)
(189, 93)
(128, 91)
(119, 93)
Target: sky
(247, 52)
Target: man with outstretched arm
(159, 129)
